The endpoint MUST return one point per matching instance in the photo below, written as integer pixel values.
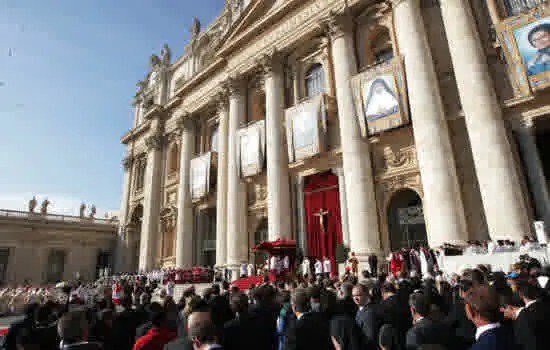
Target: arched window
(173, 159)
(140, 174)
(214, 139)
(375, 45)
(315, 80)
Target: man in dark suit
(236, 335)
(368, 316)
(394, 312)
(204, 335)
(464, 330)
(483, 309)
(532, 324)
(221, 312)
(199, 314)
(425, 330)
(73, 331)
(347, 304)
(15, 328)
(311, 330)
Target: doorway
(133, 238)
(406, 224)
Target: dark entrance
(406, 224)
(260, 235)
(133, 238)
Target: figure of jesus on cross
(321, 214)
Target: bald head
(198, 317)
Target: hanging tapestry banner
(525, 40)
(200, 176)
(380, 97)
(306, 128)
(252, 149)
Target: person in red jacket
(158, 336)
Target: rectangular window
(56, 265)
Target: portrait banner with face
(252, 149)
(525, 40)
(306, 128)
(200, 176)
(380, 98)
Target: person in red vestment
(158, 336)
(396, 263)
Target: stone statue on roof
(165, 54)
(93, 212)
(82, 209)
(32, 204)
(195, 27)
(44, 207)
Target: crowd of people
(479, 309)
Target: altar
(497, 260)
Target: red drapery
(321, 192)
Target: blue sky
(68, 71)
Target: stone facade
(259, 60)
(48, 248)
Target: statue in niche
(141, 86)
(93, 211)
(82, 209)
(165, 54)
(44, 207)
(195, 27)
(32, 204)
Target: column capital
(185, 121)
(235, 85)
(338, 23)
(154, 142)
(271, 62)
(221, 100)
(395, 3)
(127, 162)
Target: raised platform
(498, 260)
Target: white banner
(200, 176)
(306, 128)
(252, 149)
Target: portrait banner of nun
(525, 40)
(380, 98)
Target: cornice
(199, 77)
(135, 132)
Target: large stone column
(343, 204)
(279, 220)
(363, 224)
(221, 200)
(237, 245)
(443, 208)
(151, 200)
(121, 245)
(534, 170)
(495, 167)
(184, 228)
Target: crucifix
(321, 214)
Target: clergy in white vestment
(318, 266)
(273, 264)
(326, 267)
(381, 101)
(306, 267)
(243, 270)
(250, 270)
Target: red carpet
(246, 282)
(3, 331)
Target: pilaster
(221, 183)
